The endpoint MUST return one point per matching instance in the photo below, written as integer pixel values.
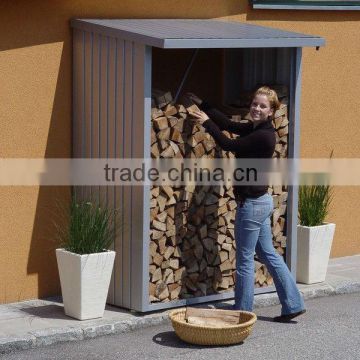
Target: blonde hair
(272, 97)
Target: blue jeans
(253, 233)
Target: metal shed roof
(196, 33)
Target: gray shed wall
(110, 104)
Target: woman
(255, 205)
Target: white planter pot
(313, 252)
(84, 282)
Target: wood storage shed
(167, 256)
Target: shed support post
(294, 153)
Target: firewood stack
(192, 242)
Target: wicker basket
(209, 335)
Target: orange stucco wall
(35, 103)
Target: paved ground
(39, 323)
(329, 330)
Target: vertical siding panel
(141, 194)
(87, 104)
(127, 195)
(78, 92)
(96, 53)
(78, 100)
(119, 153)
(111, 136)
(103, 110)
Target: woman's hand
(199, 116)
(194, 98)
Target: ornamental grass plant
(86, 227)
(314, 202)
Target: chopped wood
(172, 120)
(276, 229)
(156, 275)
(282, 223)
(218, 191)
(232, 255)
(152, 288)
(192, 241)
(153, 203)
(162, 98)
(156, 113)
(198, 251)
(179, 126)
(165, 264)
(208, 243)
(211, 199)
(181, 108)
(179, 273)
(174, 264)
(211, 209)
(167, 190)
(171, 231)
(275, 215)
(152, 269)
(162, 244)
(224, 255)
(222, 210)
(167, 153)
(228, 316)
(191, 142)
(162, 216)
(156, 234)
(177, 252)
(176, 136)
(226, 265)
(170, 110)
(175, 147)
(168, 252)
(159, 225)
(163, 134)
(153, 136)
(282, 209)
(153, 212)
(208, 145)
(174, 294)
(283, 131)
(192, 108)
(277, 189)
(171, 211)
(161, 291)
(226, 247)
(221, 238)
(161, 123)
(199, 136)
(155, 191)
(169, 279)
(155, 152)
(231, 205)
(153, 248)
(203, 231)
(163, 145)
(162, 201)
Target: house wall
(35, 117)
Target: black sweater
(253, 143)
